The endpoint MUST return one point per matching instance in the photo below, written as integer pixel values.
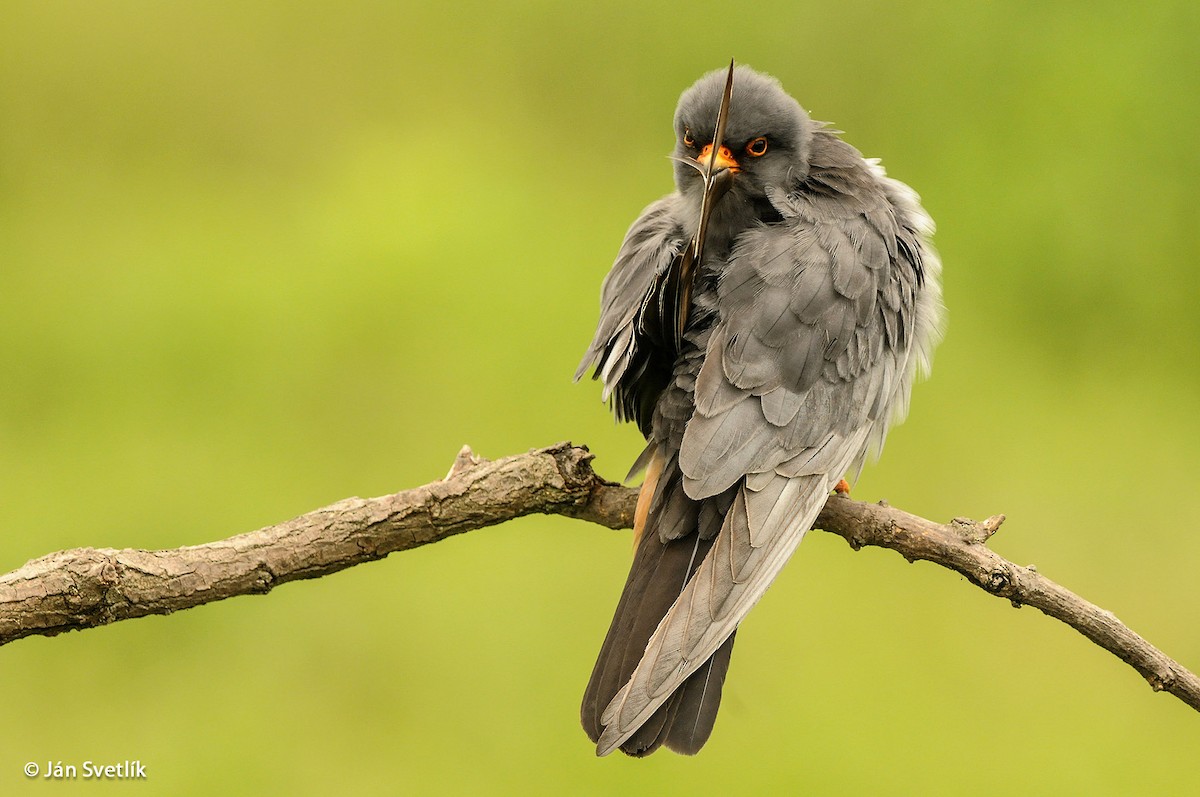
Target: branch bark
(88, 587)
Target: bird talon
(842, 488)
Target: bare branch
(88, 587)
(960, 546)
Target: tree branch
(88, 587)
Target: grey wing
(822, 321)
(623, 358)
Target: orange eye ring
(757, 147)
(688, 141)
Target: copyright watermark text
(88, 770)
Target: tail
(658, 575)
(707, 580)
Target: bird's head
(767, 134)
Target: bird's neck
(736, 213)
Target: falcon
(762, 325)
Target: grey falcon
(762, 325)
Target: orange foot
(842, 488)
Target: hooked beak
(723, 160)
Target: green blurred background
(260, 257)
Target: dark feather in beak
(716, 185)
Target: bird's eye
(688, 141)
(757, 147)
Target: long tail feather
(726, 585)
(658, 575)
